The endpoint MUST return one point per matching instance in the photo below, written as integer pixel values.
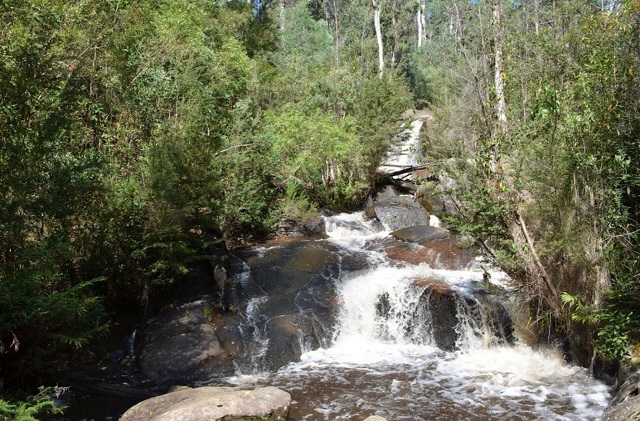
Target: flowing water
(382, 357)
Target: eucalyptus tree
(378, 29)
(532, 189)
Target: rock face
(182, 344)
(625, 404)
(268, 307)
(440, 300)
(624, 411)
(291, 287)
(214, 403)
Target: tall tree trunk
(281, 15)
(337, 34)
(537, 16)
(421, 24)
(394, 32)
(501, 106)
(376, 24)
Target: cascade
(409, 342)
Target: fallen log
(405, 170)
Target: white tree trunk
(376, 24)
(421, 25)
(337, 35)
(501, 106)
(282, 20)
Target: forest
(138, 136)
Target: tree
(378, 29)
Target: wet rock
(220, 278)
(624, 411)
(421, 234)
(214, 403)
(438, 254)
(297, 307)
(441, 301)
(284, 346)
(625, 403)
(180, 345)
(397, 211)
(282, 273)
(487, 317)
(383, 306)
(226, 325)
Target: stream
(381, 357)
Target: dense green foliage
(135, 134)
(33, 407)
(554, 195)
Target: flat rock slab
(421, 234)
(214, 403)
(438, 254)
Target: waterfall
(414, 343)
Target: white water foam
(377, 365)
(353, 230)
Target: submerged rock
(214, 403)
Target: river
(377, 362)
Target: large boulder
(311, 227)
(397, 211)
(214, 403)
(180, 345)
